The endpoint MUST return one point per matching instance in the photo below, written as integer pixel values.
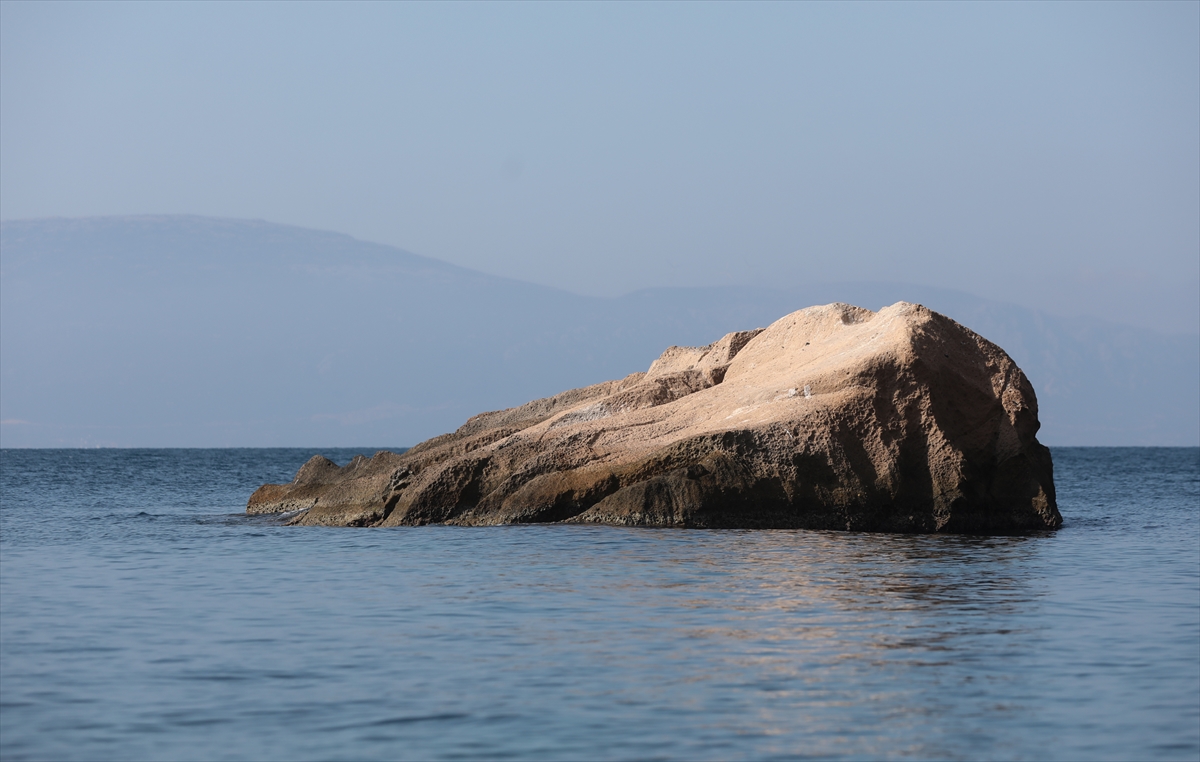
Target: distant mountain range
(191, 331)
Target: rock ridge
(833, 417)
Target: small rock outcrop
(834, 417)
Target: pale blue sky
(1045, 154)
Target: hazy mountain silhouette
(191, 331)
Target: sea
(144, 616)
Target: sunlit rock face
(834, 417)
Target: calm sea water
(142, 616)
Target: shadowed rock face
(834, 417)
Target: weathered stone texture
(834, 417)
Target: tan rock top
(833, 417)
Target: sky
(1042, 154)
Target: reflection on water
(143, 617)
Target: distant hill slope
(190, 331)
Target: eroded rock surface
(834, 417)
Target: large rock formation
(834, 417)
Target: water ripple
(142, 616)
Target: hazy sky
(1043, 154)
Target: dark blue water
(142, 616)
